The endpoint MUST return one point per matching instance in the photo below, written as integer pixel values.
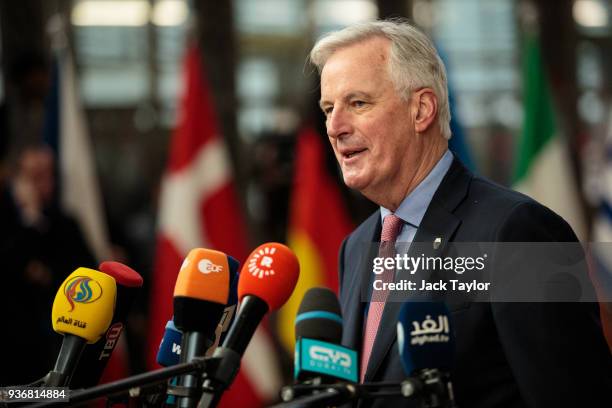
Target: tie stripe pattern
(392, 225)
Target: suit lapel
(438, 222)
(352, 305)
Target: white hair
(414, 62)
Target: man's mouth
(352, 153)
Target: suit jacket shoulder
(490, 212)
(507, 354)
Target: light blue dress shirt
(412, 208)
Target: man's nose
(338, 123)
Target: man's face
(37, 169)
(371, 129)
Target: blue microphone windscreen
(169, 353)
(424, 336)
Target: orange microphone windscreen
(201, 291)
(204, 275)
(269, 273)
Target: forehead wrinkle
(363, 65)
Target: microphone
(82, 311)
(319, 357)
(169, 353)
(200, 295)
(170, 347)
(426, 348)
(267, 279)
(95, 357)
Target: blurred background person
(39, 246)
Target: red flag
(319, 222)
(198, 208)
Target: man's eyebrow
(357, 94)
(347, 97)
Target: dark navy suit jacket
(547, 355)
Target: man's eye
(358, 104)
(328, 110)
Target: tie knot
(391, 228)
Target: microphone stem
(67, 360)
(121, 386)
(251, 312)
(194, 345)
(295, 394)
(328, 397)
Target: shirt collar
(412, 208)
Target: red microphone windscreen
(123, 274)
(270, 273)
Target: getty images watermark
(489, 272)
(412, 264)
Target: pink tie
(392, 225)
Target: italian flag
(543, 169)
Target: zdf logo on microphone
(205, 266)
(82, 289)
(260, 263)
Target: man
(384, 94)
(39, 246)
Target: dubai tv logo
(82, 289)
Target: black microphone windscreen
(319, 316)
(192, 314)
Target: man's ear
(427, 109)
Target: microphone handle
(301, 393)
(194, 345)
(96, 356)
(438, 396)
(122, 386)
(67, 360)
(251, 312)
(436, 388)
(291, 392)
